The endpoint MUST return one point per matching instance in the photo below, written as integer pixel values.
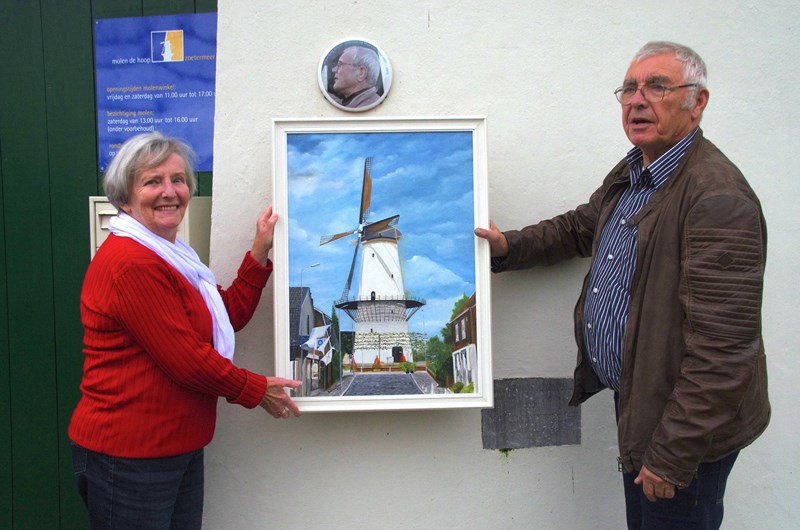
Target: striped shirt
(608, 295)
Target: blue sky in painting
(425, 177)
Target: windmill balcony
(380, 307)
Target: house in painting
(464, 333)
(311, 342)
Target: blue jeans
(137, 493)
(698, 506)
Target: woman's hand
(265, 230)
(276, 401)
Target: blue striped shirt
(605, 311)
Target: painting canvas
(382, 290)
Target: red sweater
(151, 376)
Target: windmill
(381, 309)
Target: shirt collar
(659, 170)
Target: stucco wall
(543, 73)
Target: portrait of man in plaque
(355, 75)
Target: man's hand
(276, 401)
(498, 244)
(653, 486)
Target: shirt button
(610, 257)
(589, 325)
(595, 290)
(622, 222)
(594, 359)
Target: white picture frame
(425, 189)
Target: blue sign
(156, 74)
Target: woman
(158, 343)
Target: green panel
(72, 140)
(116, 8)
(5, 381)
(29, 264)
(203, 183)
(167, 7)
(206, 6)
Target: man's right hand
(498, 244)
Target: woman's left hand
(276, 401)
(265, 230)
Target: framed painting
(381, 288)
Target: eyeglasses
(339, 64)
(652, 92)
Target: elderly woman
(158, 344)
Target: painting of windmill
(381, 308)
(379, 240)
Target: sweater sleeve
(148, 304)
(242, 297)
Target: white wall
(543, 74)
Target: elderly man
(356, 76)
(670, 313)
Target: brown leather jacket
(694, 378)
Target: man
(356, 76)
(670, 313)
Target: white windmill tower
(381, 309)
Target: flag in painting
(319, 332)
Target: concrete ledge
(531, 412)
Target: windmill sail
(379, 226)
(366, 190)
(346, 292)
(366, 197)
(324, 240)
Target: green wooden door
(48, 169)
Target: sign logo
(166, 46)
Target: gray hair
(694, 69)
(144, 151)
(367, 58)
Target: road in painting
(394, 212)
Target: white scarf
(185, 260)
